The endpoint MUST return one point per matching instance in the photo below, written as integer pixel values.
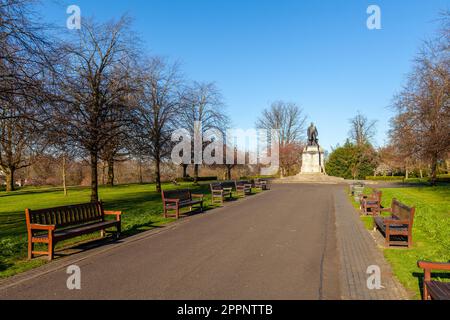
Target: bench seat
(438, 290)
(379, 221)
(77, 231)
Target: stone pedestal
(313, 160)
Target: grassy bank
(431, 232)
(141, 204)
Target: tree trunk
(434, 165)
(94, 176)
(196, 166)
(185, 167)
(64, 175)
(228, 173)
(103, 173)
(10, 186)
(141, 178)
(421, 173)
(158, 174)
(110, 181)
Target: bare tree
(421, 127)
(362, 130)
(286, 117)
(290, 120)
(24, 62)
(114, 151)
(20, 141)
(202, 103)
(96, 76)
(159, 105)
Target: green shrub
(352, 161)
(258, 177)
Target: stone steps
(311, 178)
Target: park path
(296, 242)
(275, 245)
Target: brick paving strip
(358, 250)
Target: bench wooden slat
(438, 290)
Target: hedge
(385, 178)
(191, 179)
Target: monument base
(312, 160)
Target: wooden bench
(434, 290)
(177, 199)
(219, 192)
(399, 224)
(263, 184)
(371, 204)
(257, 185)
(50, 226)
(357, 190)
(243, 188)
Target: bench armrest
(118, 214)
(433, 266)
(201, 196)
(113, 213)
(42, 227)
(430, 266)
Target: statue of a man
(313, 135)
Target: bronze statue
(313, 135)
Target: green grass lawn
(141, 203)
(431, 232)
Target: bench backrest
(242, 182)
(376, 195)
(402, 211)
(181, 194)
(67, 215)
(228, 184)
(216, 186)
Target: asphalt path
(280, 244)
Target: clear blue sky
(318, 53)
